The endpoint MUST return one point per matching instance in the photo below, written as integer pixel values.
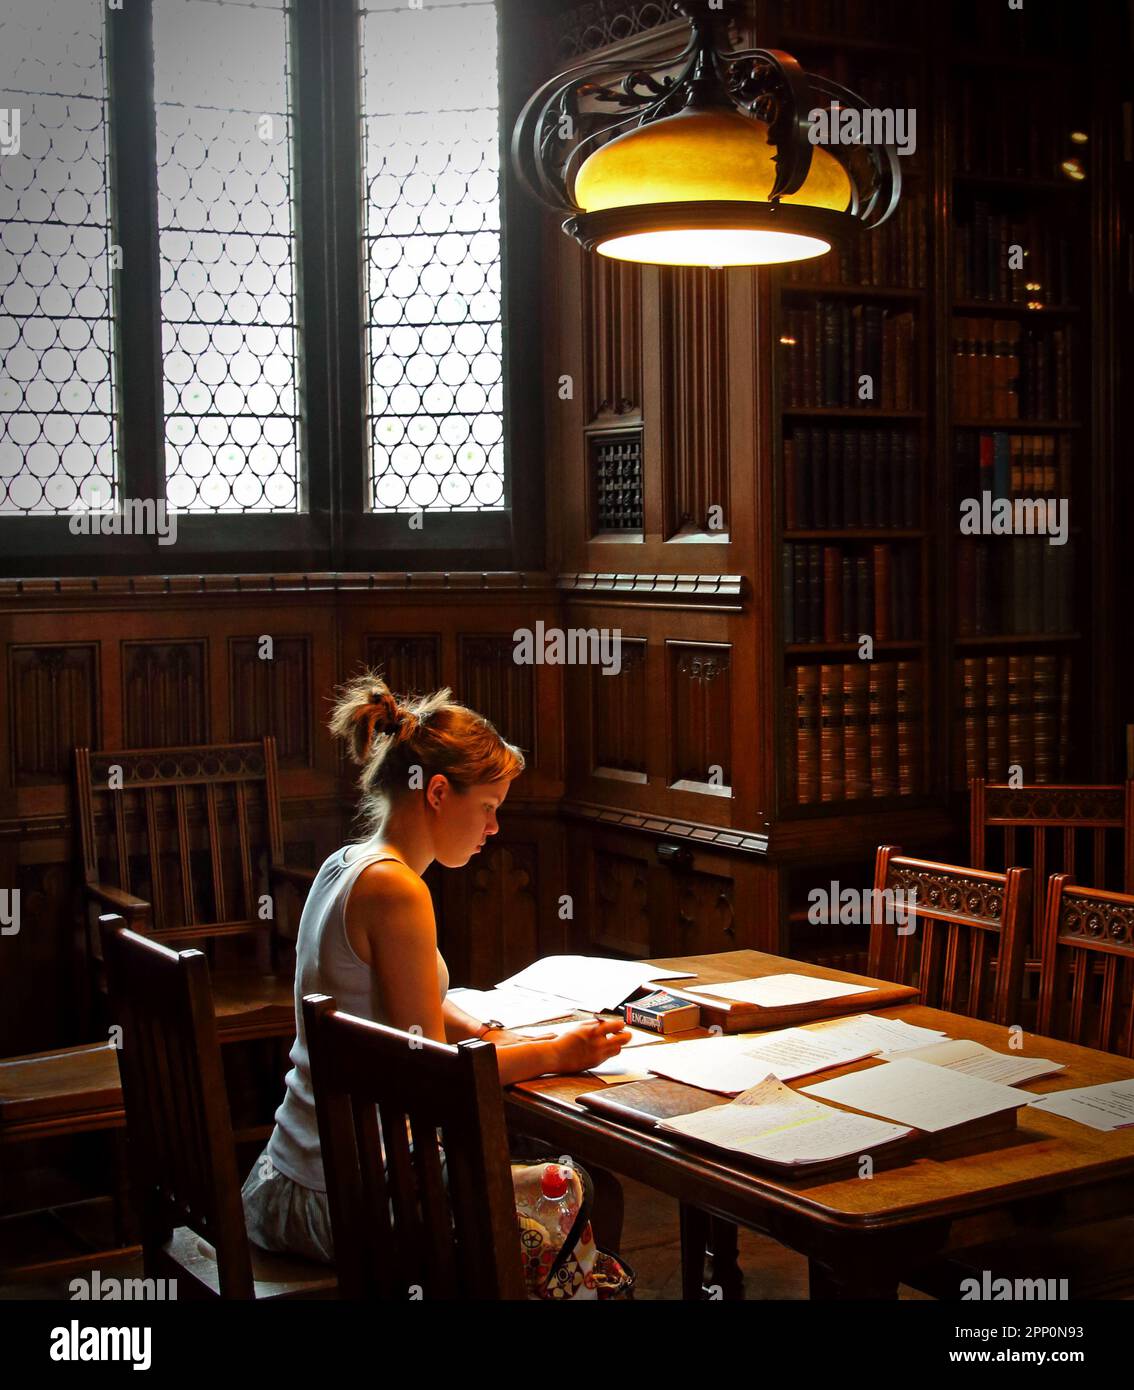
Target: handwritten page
(883, 1035)
(512, 1007)
(919, 1094)
(733, 1064)
(775, 991)
(771, 1121)
(590, 982)
(1106, 1107)
(974, 1059)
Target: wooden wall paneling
(272, 695)
(611, 298)
(52, 707)
(700, 743)
(695, 465)
(166, 693)
(491, 682)
(410, 662)
(618, 705)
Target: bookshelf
(990, 651)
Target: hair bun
(383, 713)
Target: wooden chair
(1087, 985)
(1084, 831)
(401, 1225)
(966, 949)
(186, 844)
(179, 1133)
(1086, 997)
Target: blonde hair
(390, 738)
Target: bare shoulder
(391, 884)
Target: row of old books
(1012, 712)
(1011, 260)
(833, 593)
(841, 355)
(854, 731)
(1016, 585)
(1001, 131)
(893, 255)
(882, 19)
(1004, 370)
(845, 478)
(1036, 28)
(1011, 465)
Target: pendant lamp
(704, 157)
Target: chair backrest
(403, 1225)
(179, 1130)
(186, 829)
(1087, 984)
(1084, 831)
(961, 942)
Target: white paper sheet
(590, 982)
(974, 1059)
(771, 1121)
(774, 991)
(733, 1064)
(885, 1035)
(1106, 1107)
(918, 1094)
(512, 1007)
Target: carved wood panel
(410, 664)
(620, 912)
(701, 711)
(612, 334)
(491, 683)
(702, 915)
(695, 393)
(272, 696)
(164, 695)
(618, 713)
(502, 922)
(52, 708)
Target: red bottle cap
(554, 1182)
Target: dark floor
(649, 1243)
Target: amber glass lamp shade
(693, 189)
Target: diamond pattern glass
(57, 395)
(431, 253)
(228, 254)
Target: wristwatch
(488, 1027)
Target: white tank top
(325, 963)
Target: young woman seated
(434, 776)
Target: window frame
(336, 532)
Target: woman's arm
(390, 924)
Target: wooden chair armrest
(302, 878)
(131, 907)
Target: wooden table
(860, 1235)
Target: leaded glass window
(227, 247)
(57, 393)
(431, 252)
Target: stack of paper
(771, 1122)
(882, 1035)
(1109, 1106)
(919, 1094)
(774, 991)
(589, 982)
(733, 1064)
(974, 1059)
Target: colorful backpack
(564, 1263)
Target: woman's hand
(583, 1047)
(503, 1037)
